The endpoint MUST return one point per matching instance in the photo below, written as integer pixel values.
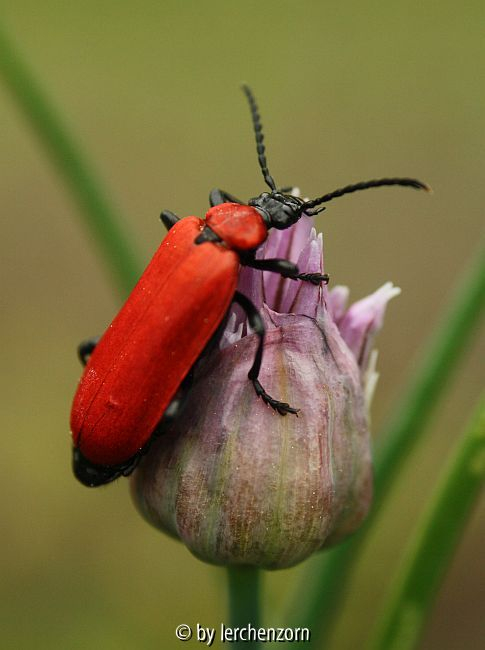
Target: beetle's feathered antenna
(308, 206)
(258, 132)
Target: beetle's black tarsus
(169, 219)
(258, 132)
(314, 278)
(217, 196)
(257, 325)
(286, 269)
(86, 348)
(307, 206)
(282, 407)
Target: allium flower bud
(237, 482)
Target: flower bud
(234, 480)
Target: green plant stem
(323, 588)
(244, 601)
(101, 217)
(429, 552)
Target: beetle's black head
(279, 210)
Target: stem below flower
(244, 601)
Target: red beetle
(137, 374)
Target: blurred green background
(348, 91)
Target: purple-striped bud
(237, 482)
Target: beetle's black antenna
(348, 189)
(258, 132)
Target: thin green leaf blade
(432, 546)
(101, 217)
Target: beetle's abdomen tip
(88, 473)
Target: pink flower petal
(338, 298)
(364, 319)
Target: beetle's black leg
(287, 269)
(86, 348)
(207, 235)
(176, 406)
(217, 196)
(173, 410)
(169, 219)
(257, 325)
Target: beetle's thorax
(240, 227)
(278, 210)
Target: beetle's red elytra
(138, 374)
(163, 325)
